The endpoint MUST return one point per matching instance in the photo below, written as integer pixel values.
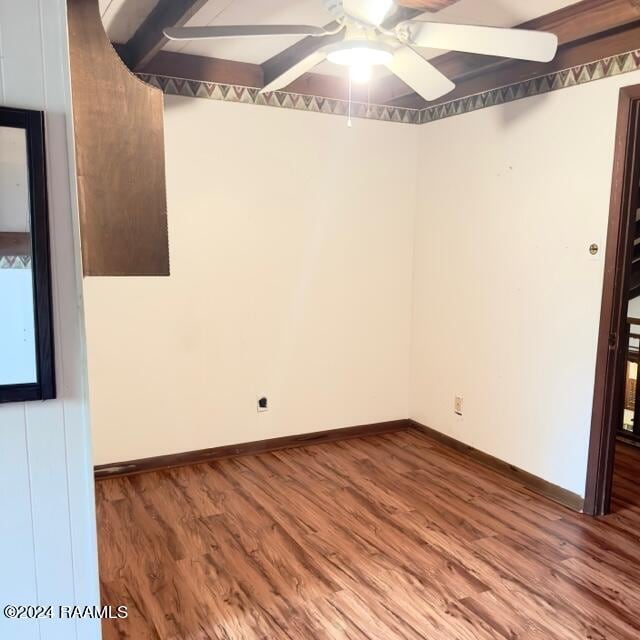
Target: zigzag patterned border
(281, 99)
(15, 262)
(581, 74)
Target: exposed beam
(15, 244)
(183, 65)
(149, 38)
(571, 24)
(318, 84)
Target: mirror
(26, 354)
(17, 321)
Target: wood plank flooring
(383, 537)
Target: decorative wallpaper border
(571, 77)
(563, 79)
(15, 262)
(281, 99)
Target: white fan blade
(242, 31)
(419, 74)
(294, 72)
(369, 11)
(492, 41)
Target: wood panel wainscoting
(384, 536)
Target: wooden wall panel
(119, 135)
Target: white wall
(506, 295)
(290, 242)
(47, 524)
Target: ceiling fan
(361, 41)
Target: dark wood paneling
(387, 537)
(247, 448)
(608, 398)
(119, 137)
(15, 244)
(149, 38)
(529, 480)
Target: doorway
(615, 392)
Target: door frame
(608, 398)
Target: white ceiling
(122, 17)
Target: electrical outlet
(263, 404)
(457, 405)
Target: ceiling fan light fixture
(359, 54)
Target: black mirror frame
(45, 388)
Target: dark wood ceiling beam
(571, 24)
(149, 38)
(15, 244)
(184, 65)
(318, 84)
(190, 67)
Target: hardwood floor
(383, 537)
